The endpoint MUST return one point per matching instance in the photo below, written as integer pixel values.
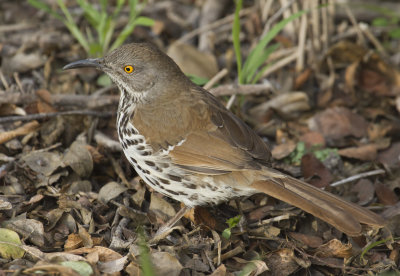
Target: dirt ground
(328, 104)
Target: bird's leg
(169, 224)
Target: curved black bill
(91, 62)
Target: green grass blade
(144, 21)
(108, 35)
(117, 9)
(236, 40)
(91, 14)
(42, 6)
(257, 52)
(78, 35)
(249, 72)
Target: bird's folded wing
(226, 144)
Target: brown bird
(186, 145)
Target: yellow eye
(128, 69)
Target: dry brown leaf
(105, 254)
(337, 123)
(79, 159)
(365, 191)
(166, 264)
(363, 152)
(110, 191)
(43, 162)
(204, 217)
(334, 248)
(259, 213)
(52, 269)
(221, 271)
(192, 61)
(29, 229)
(162, 208)
(308, 240)
(385, 195)
(346, 52)
(113, 266)
(390, 157)
(283, 150)
(85, 236)
(73, 241)
(312, 138)
(302, 78)
(314, 171)
(282, 262)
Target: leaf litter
(71, 204)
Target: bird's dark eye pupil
(128, 69)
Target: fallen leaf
(285, 104)
(365, 191)
(338, 122)
(192, 61)
(308, 240)
(220, 271)
(334, 248)
(73, 241)
(385, 195)
(43, 162)
(83, 268)
(162, 208)
(166, 264)
(390, 157)
(79, 159)
(314, 171)
(110, 191)
(283, 150)
(203, 217)
(363, 152)
(7, 249)
(282, 262)
(28, 228)
(112, 266)
(22, 62)
(312, 138)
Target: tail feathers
(345, 216)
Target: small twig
(3, 80)
(77, 101)
(231, 101)
(237, 250)
(18, 81)
(244, 89)
(32, 117)
(281, 63)
(216, 78)
(367, 32)
(357, 176)
(302, 40)
(226, 20)
(22, 130)
(16, 27)
(269, 221)
(275, 17)
(355, 24)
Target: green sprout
(101, 21)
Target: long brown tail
(345, 216)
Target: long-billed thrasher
(186, 145)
